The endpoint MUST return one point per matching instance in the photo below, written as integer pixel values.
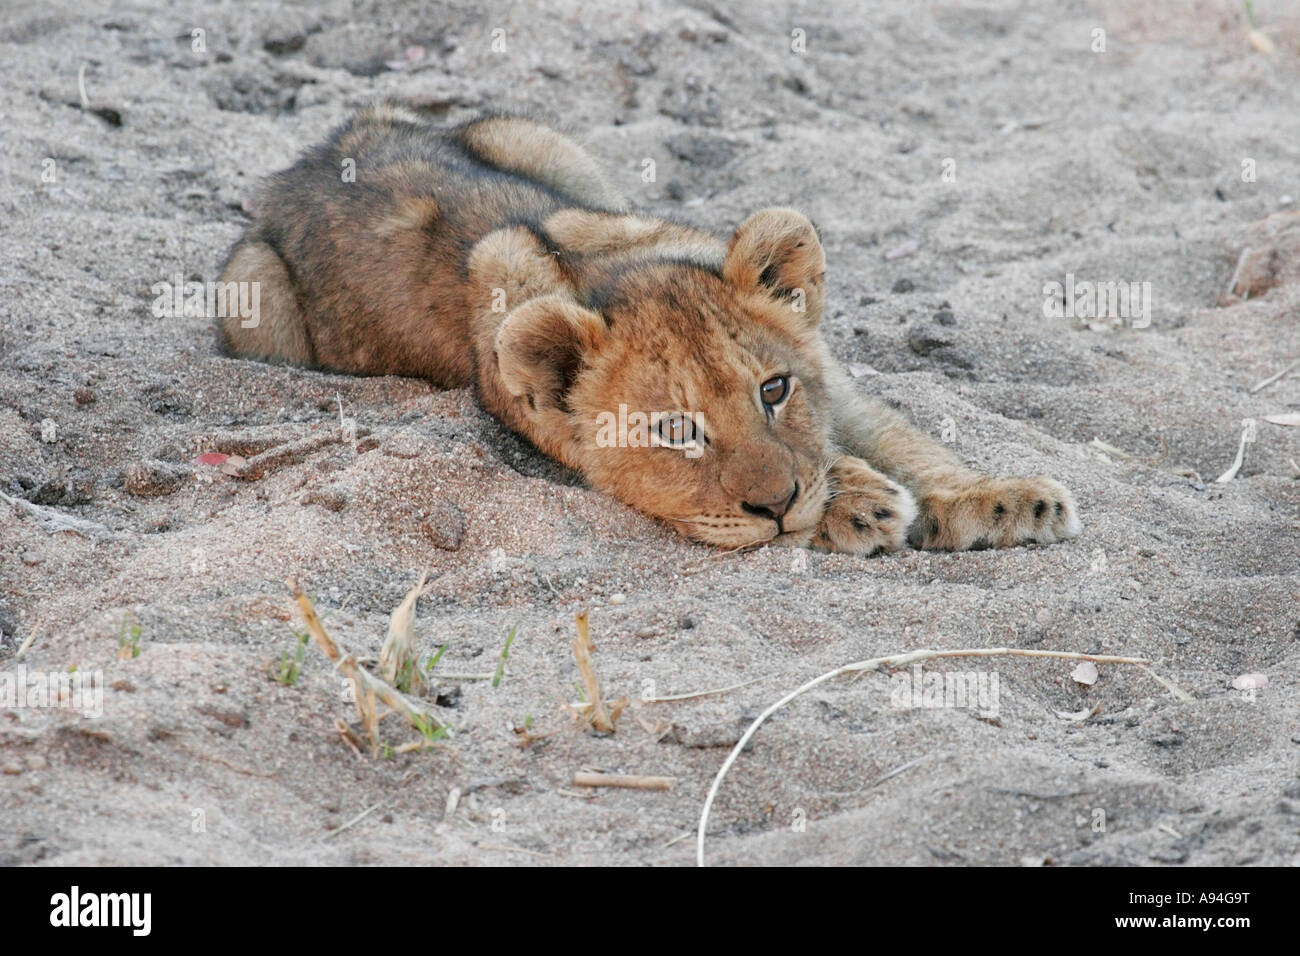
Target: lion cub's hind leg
(866, 512)
(539, 153)
(278, 330)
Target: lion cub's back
(360, 246)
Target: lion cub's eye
(676, 429)
(774, 390)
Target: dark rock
(66, 492)
(958, 358)
(699, 149)
(924, 339)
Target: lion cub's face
(696, 395)
(705, 412)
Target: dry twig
(628, 781)
(366, 686)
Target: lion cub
(681, 373)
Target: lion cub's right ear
(777, 252)
(541, 345)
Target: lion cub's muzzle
(774, 509)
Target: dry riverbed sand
(1156, 160)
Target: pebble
(36, 762)
(617, 599)
(31, 558)
(445, 526)
(924, 339)
(958, 358)
(13, 768)
(645, 632)
(152, 477)
(331, 499)
(902, 285)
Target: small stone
(924, 339)
(686, 623)
(445, 526)
(1250, 681)
(152, 477)
(645, 632)
(77, 488)
(945, 317)
(617, 599)
(36, 762)
(31, 559)
(957, 358)
(84, 396)
(13, 768)
(901, 286)
(328, 498)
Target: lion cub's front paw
(996, 513)
(866, 511)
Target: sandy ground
(1124, 165)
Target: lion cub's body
(496, 253)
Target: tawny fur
(497, 254)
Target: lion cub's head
(693, 388)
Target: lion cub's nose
(772, 509)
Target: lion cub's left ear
(778, 252)
(541, 345)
